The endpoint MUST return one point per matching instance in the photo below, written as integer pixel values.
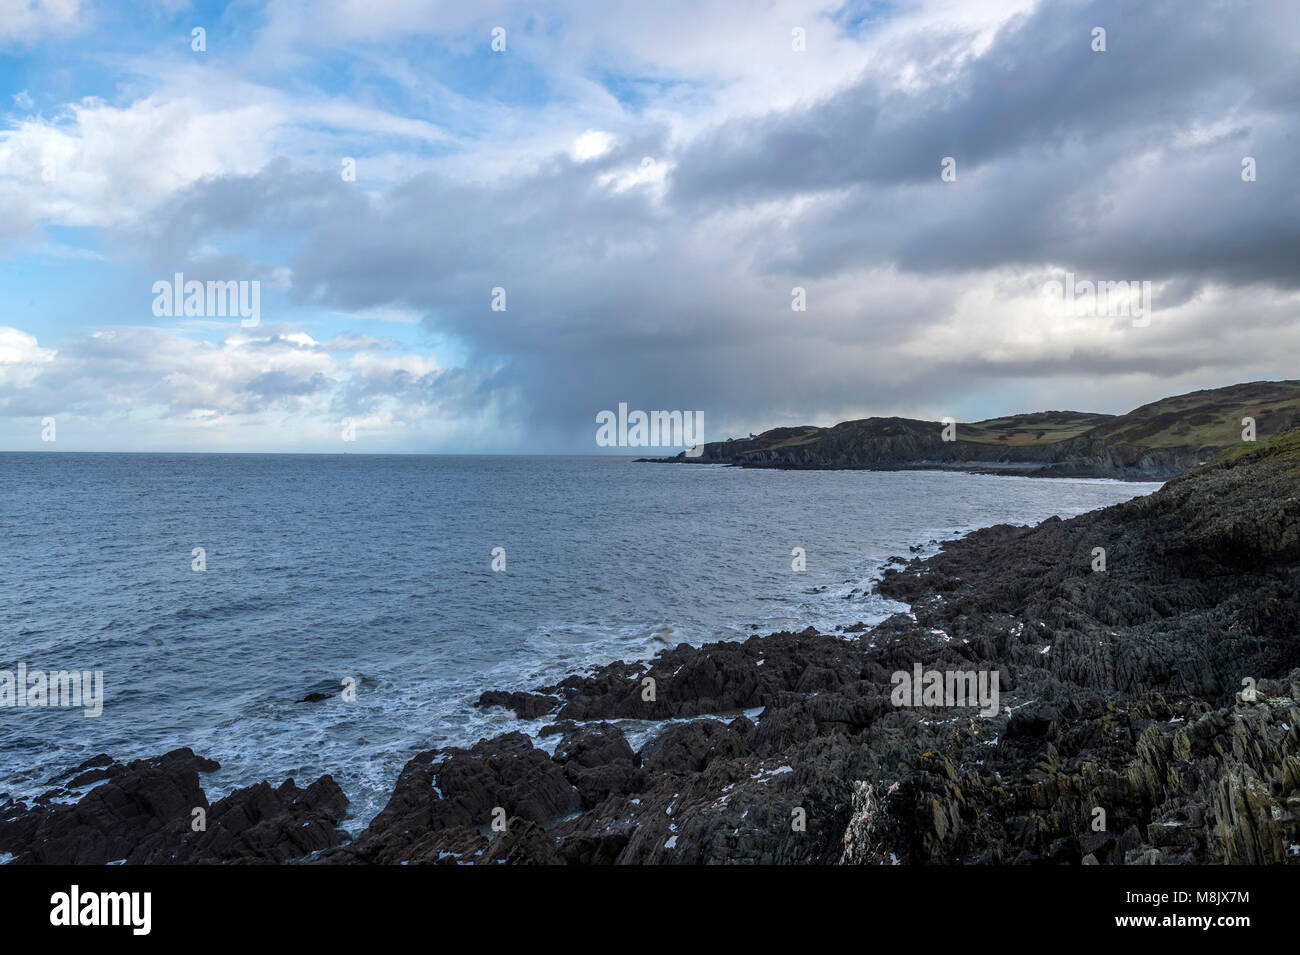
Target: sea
(215, 591)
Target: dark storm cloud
(227, 206)
(1040, 85)
(1046, 134)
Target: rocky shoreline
(1156, 472)
(1149, 713)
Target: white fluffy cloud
(23, 21)
(253, 380)
(96, 164)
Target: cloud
(159, 374)
(648, 225)
(25, 21)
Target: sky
(474, 227)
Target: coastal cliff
(1155, 441)
(1148, 661)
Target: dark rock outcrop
(154, 811)
(598, 762)
(716, 678)
(527, 706)
(446, 804)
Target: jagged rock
(690, 747)
(145, 813)
(597, 761)
(261, 823)
(527, 706)
(522, 843)
(439, 795)
(715, 678)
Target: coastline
(1121, 690)
(1156, 441)
(992, 469)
